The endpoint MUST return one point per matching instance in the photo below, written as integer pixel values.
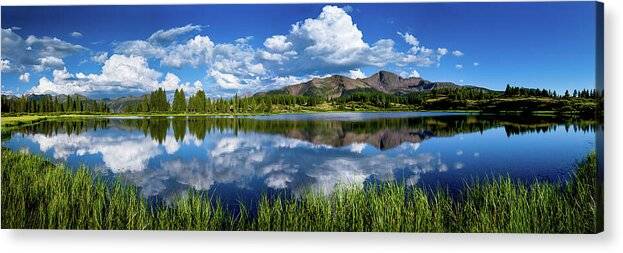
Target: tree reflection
(382, 133)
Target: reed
(38, 194)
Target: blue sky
(111, 51)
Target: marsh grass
(40, 195)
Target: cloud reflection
(241, 159)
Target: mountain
(119, 104)
(383, 81)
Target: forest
(513, 98)
(48, 103)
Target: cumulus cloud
(414, 73)
(225, 80)
(76, 34)
(458, 66)
(120, 75)
(195, 51)
(25, 77)
(100, 57)
(356, 73)
(332, 36)
(37, 53)
(419, 54)
(457, 53)
(278, 43)
(410, 39)
(49, 62)
(329, 43)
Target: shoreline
(9, 121)
(60, 198)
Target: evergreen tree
(197, 102)
(179, 101)
(158, 101)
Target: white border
(251, 242)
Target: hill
(383, 81)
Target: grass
(40, 195)
(20, 120)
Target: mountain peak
(337, 85)
(390, 82)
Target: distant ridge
(383, 81)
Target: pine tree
(158, 101)
(179, 101)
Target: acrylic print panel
(411, 117)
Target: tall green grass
(41, 195)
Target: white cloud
(476, 64)
(76, 34)
(120, 74)
(132, 71)
(49, 62)
(457, 53)
(195, 51)
(226, 81)
(332, 37)
(140, 48)
(278, 43)
(5, 65)
(100, 57)
(171, 82)
(459, 66)
(410, 39)
(25, 77)
(327, 44)
(414, 73)
(37, 53)
(162, 37)
(357, 73)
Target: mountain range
(383, 81)
(331, 87)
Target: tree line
(515, 91)
(48, 103)
(157, 101)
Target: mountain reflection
(165, 155)
(381, 133)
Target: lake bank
(12, 120)
(58, 198)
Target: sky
(114, 51)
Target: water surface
(240, 158)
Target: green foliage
(179, 101)
(197, 102)
(158, 101)
(39, 194)
(48, 103)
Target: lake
(239, 158)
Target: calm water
(239, 158)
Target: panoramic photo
(393, 117)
